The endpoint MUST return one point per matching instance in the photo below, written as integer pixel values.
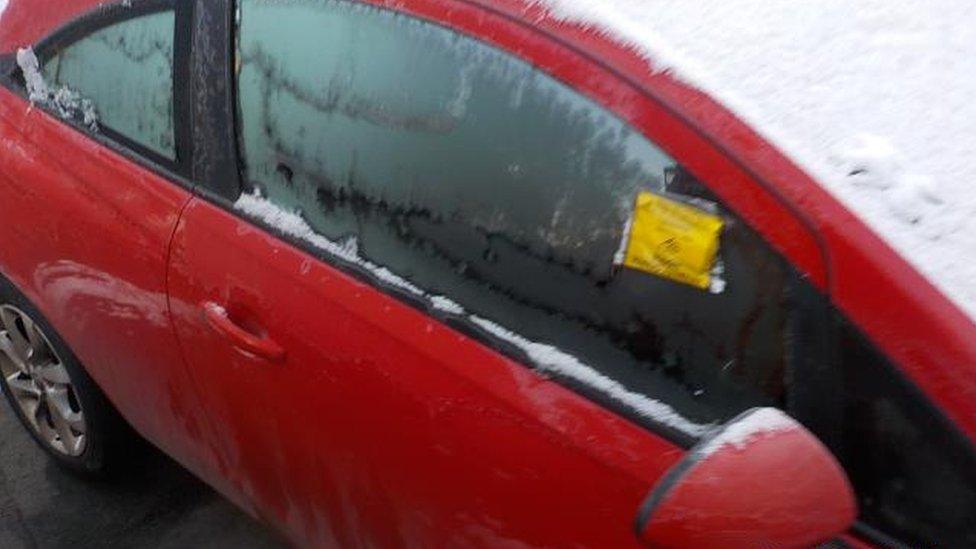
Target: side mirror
(761, 480)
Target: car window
(503, 196)
(915, 473)
(125, 73)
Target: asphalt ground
(156, 504)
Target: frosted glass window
(126, 71)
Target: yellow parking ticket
(673, 240)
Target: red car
(454, 273)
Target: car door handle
(219, 322)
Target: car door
(94, 168)
(412, 308)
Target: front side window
(124, 73)
(501, 196)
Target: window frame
(106, 15)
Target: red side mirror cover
(762, 480)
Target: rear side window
(125, 74)
(501, 196)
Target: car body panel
(26, 22)
(87, 237)
(385, 424)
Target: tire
(93, 444)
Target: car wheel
(50, 392)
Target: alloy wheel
(40, 384)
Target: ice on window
(65, 102)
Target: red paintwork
(380, 425)
(744, 495)
(25, 22)
(86, 236)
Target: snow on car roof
(874, 99)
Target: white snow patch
(446, 304)
(717, 283)
(621, 254)
(67, 103)
(760, 423)
(872, 164)
(872, 98)
(70, 104)
(545, 357)
(37, 90)
(550, 359)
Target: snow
(621, 254)
(872, 98)
(37, 90)
(717, 283)
(759, 423)
(550, 359)
(544, 357)
(66, 102)
(70, 104)
(447, 305)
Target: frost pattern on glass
(501, 191)
(125, 72)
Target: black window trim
(105, 15)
